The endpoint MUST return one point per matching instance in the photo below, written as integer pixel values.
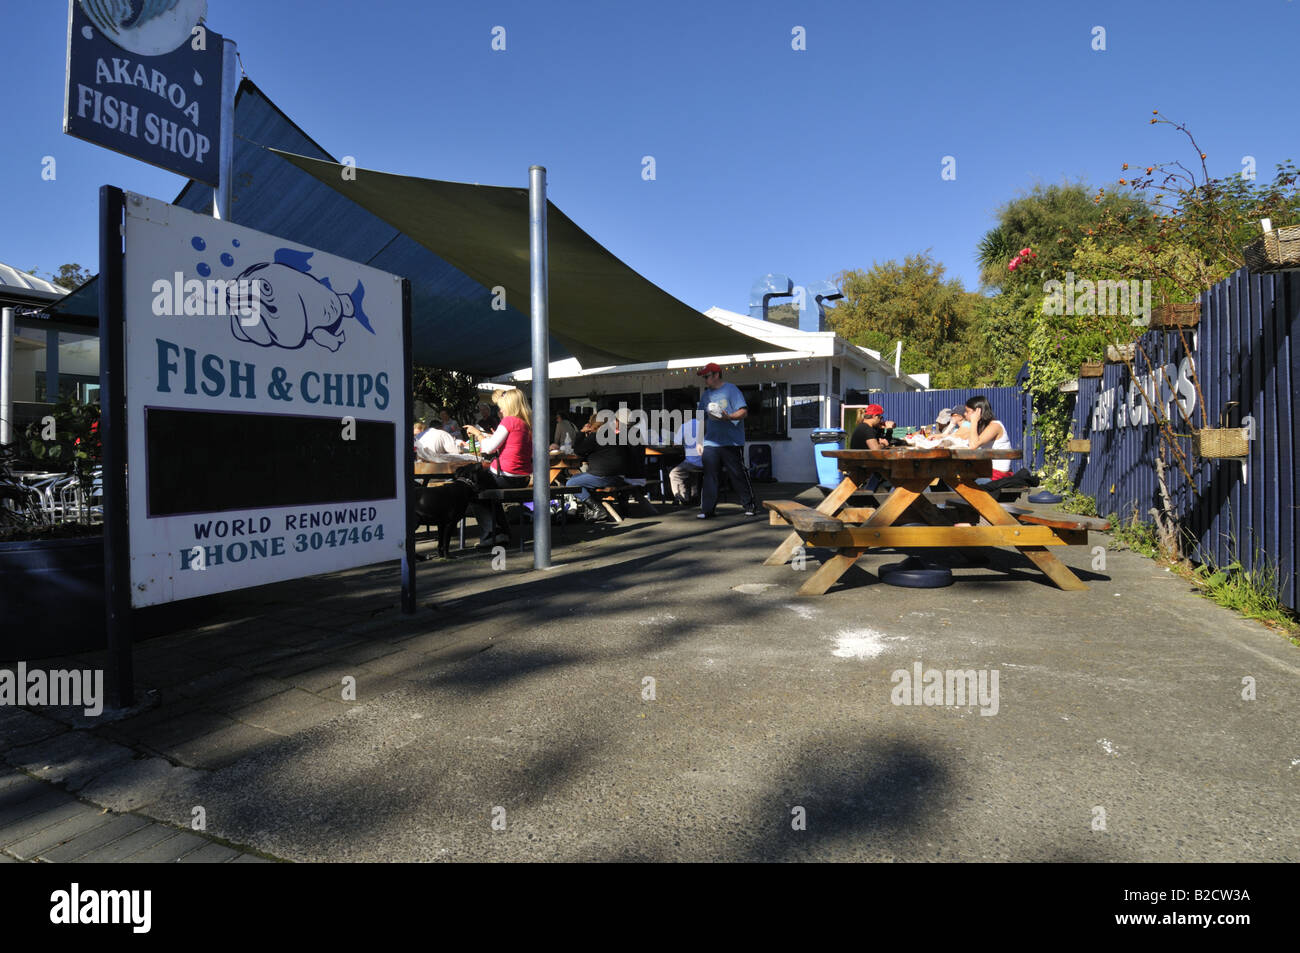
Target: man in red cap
(724, 440)
(873, 431)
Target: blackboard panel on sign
(209, 462)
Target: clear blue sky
(767, 159)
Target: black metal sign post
(404, 481)
(112, 376)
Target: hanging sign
(265, 411)
(144, 79)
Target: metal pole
(112, 401)
(52, 366)
(6, 370)
(408, 460)
(538, 298)
(226, 148)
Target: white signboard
(265, 407)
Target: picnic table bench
(607, 496)
(854, 531)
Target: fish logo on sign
(290, 306)
(146, 27)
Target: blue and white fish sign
(266, 432)
(144, 79)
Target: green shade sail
(600, 309)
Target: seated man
(488, 420)
(436, 441)
(873, 431)
(606, 463)
(564, 432)
(683, 476)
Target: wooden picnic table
(663, 458)
(853, 531)
(564, 465)
(426, 470)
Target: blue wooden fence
(1246, 350)
(919, 407)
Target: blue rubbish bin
(828, 468)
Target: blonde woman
(512, 442)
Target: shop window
(767, 411)
(805, 406)
(84, 387)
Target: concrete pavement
(661, 695)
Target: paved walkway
(661, 695)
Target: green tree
(1050, 221)
(442, 388)
(71, 276)
(910, 301)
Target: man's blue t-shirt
(723, 433)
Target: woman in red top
(512, 441)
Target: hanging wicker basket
(1221, 442)
(1176, 315)
(1277, 250)
(1091, 369)
(1118, 355)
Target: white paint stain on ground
(754, 588)
(1295, 762)
(1108, 747)
(803, 612)
(658, 619)
(863, 643)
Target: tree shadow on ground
(870, 794)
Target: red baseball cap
(874, 410)
(708, 369)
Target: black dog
(444, 504)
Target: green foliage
(1001, 335)
(1134, 534)
(1253, 593)
(69, 276)
(1212, 218)
(1050, 220)
(1079, 503)
(74, 446)
(442, 388)
(910, 301)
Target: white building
(39, 358)
(789, 393)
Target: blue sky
(767, 159)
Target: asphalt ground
(660, 695)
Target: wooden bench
(805, 519)
(1059, 521)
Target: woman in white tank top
(988, 432)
